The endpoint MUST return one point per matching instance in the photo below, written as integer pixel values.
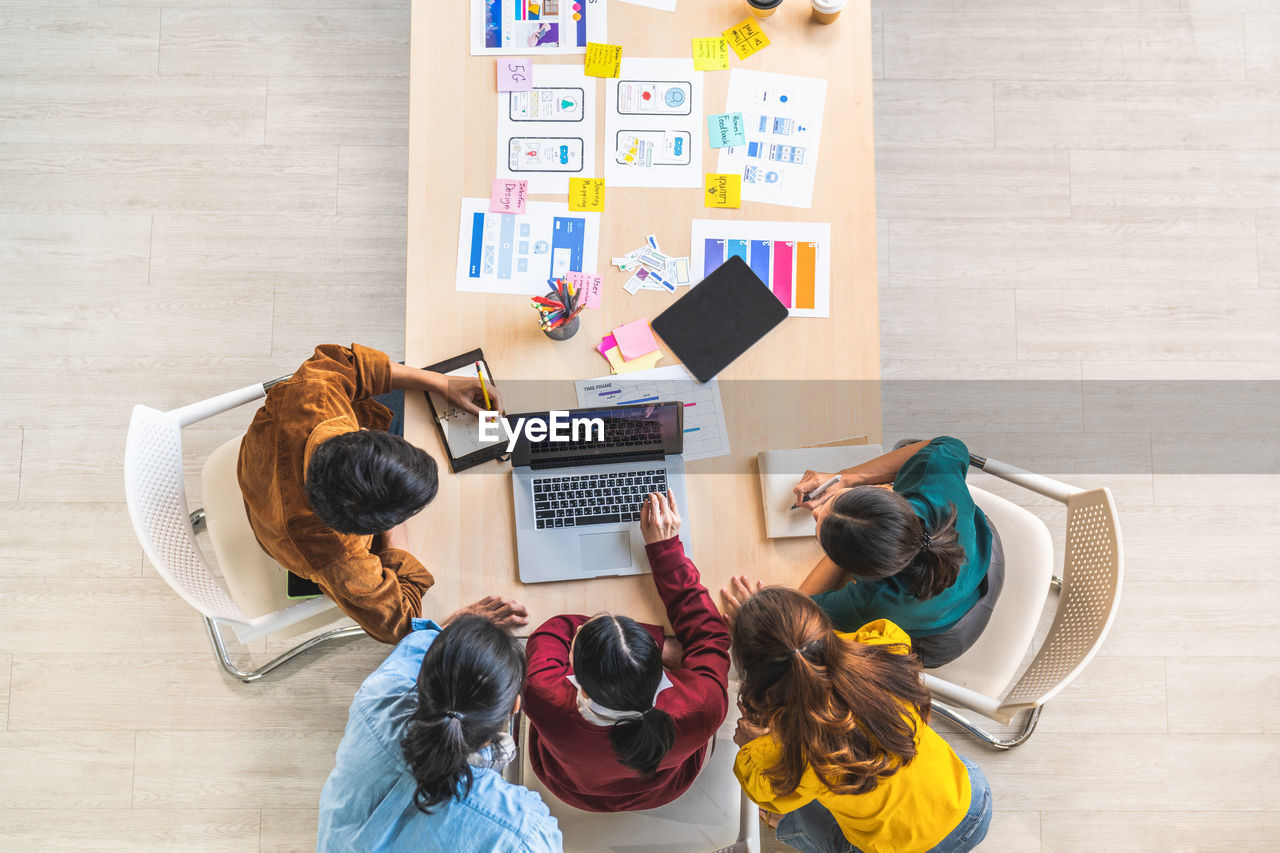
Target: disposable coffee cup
(826, 11)
(763, 8)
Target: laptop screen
(593, 436)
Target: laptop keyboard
(594, 498)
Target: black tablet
(720, 318)
(458, 431)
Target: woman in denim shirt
(419, 767)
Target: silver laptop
(577, 502)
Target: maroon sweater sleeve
(697, 624)
(547, 691)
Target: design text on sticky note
(710, 54)
(726, 130)
(508, 196)
(603, 60)
(586, 194)
(746, 38)
(723, 190)
(514, 74)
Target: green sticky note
(726, 130)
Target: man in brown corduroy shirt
(328, 490)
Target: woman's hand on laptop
(501, 611)
(659, 517)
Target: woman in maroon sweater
(609, 728)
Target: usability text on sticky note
(514, 74)
(723, 190)
(726, 130)
(746, 38)
(710, 54)
(586, 194)
(508, 196)
(603, 60)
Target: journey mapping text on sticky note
(586, 194)
(723, 190)
(746, 38)
(710, 54)
(514, 74)
(603, 60)
(508, 196)
(725, 130)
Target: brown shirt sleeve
(382, 591)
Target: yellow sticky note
(746, 38)
(586, 194)
(603, 60)
(710, 54)
(723, 190)
(644, 362)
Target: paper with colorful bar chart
(705, 434)
(792, 258)
(531, 27)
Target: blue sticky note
(726, 129)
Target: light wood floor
(195, 192)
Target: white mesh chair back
(156, 495)
(1093, 569)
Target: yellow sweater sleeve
(750, 765)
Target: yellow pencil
(483, 390)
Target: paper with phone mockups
(547, 135)
(506, 27)
(518, 253)
(783, 123)
(653, 124)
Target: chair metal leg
(198, 522)
(970, 728)
(248, 676)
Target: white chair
(713, 816)
(253, 602)
(1089, 594)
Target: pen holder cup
(568, 330)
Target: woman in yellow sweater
(834, 736)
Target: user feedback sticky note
(710, 54)
(603, 60)
(723, 190)
(726, 129)
(508, 196)
(589, 284)
(586, 194)
(514, 74)
(746, 38)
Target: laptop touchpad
(606, 550)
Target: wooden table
(466, 536)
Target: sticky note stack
(631, 347)
(653, 270)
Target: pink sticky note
(635, 339)
(591, 285)
(515, 74)
(607, 344)
(508, 196)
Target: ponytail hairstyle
(838, 706)
(619, 666)
(874, 533)
(467, 688)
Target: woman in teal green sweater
(917, 552)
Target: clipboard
(458, 430)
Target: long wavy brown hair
(838, 706)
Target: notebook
(459, 430)
(719, 319)
(780, 470)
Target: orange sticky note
(586, 194)
(710, 54)
(723, 190)
(746, 38)
(603, 60)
